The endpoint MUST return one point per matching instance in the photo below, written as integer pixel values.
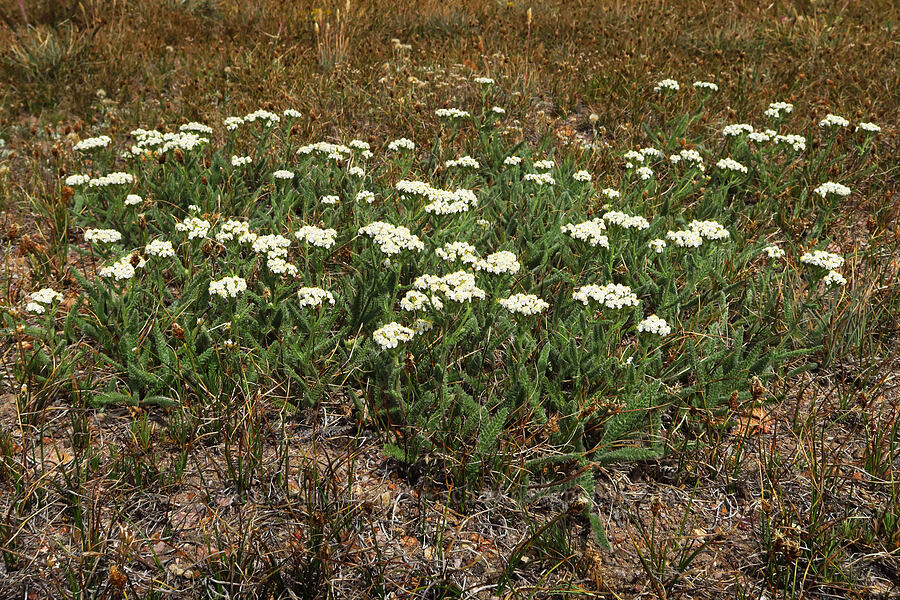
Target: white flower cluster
(499, 263)
(452, 113)
(654, 324)
(761, 137)
(686, 238)
(314, 296)
(392, 239)
(291, 113)
(459, 286)
(588, 231)
(544, 165)
(730, 164)
(540, 178)
(149, 140)
(317, 236)
(834, 278)
(240, 161)
(632, 157)
(624, 220)
(737, 129)
(524, 304)
(581, 176)
(360, 145)
(103, 236)
(869, 127)
(336, 199)
(653, 152)
(95, 142)
(512, 161)
(234, 229)
(710, 230)
(657, 245)
(483, 80)
(497, 110)
(194, 226)
(776, 108)
(228, 287)
(611, 295)
(271, 245)
(269, 118)
(197, 127)
(461, 251)
(415, 300)
(160, 249)
(133, 200)
(117, 178)
(830, 187)
(333, 151)
(823, 259)
(644, 173)
(361, 196)
(232, 123)
(442, 202)
(688, 156)
(392, 334)
(463, 161)
(773, 251)
(610, 193)
(124, 268)
(401, 144)
(706, 85)
(283, 174)
(831, 120)
(667, 84)
(73, 180)
(356, 172)
(796, 142)
(46, 296)
(279, 266)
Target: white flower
(356, 172)
(689, 156)
(271, 245)
(610, 193)
(133, 199)
(588, 231)
(198, 127)
(632, 157)
(685, 239)
(666, 84)
(657, 245)
(422, 325)
(239, 161)
(122, 268)
(73, 180)
(462, 251)
(706, 85)
(279, 266)
(103, 236)
(34, 307)
(737, 129)
(773, 251)
(392, 334)
(498, 110)
(645, 152)
(46, 296)
(822, 259)
(117, 178)
(270, 118)
(644, 173)
(776, 108)
(359, 145)
(540, 178)
(459, 286)
(544, 164)
(292, 114)
(452, 113)
(830, 187)
(401, 144)
(834, 278)
(869, 127)
(314, 296)
(160, 249)
(232, 229)
(582, 176)
(654, 324)
(96, 142)
(335, 199)
(525, 304)
(232, 123)
(730, 164)
(483, 80)
(365, 196)
(323, 238)
(625, 221)
(335, 151)
(392, 239)
(464, 161)
(710, 230)
(797, 142)
(499, 263)
(831, 120)
(194, 226)
(283, 174)
(228, 287)
(415, 300)
(761, 137)
(612, 295)
(512, 160)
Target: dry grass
(794, 508)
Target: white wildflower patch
(544, 165)
(540, 179)
(591, 232)
(233, 229)
(777, 109)
(833, 278)
(710, 230)
(632, 157)
(737, 129)
(118, 178)
(452, 113)
(458, 251)
(685, 239)
(102, 236)
(329, 200)
(624, 220)
(283, 174)
(391, 239)
(401, 144)
(666, 85)
(524, 304)
(265, 117)
(512, 161)
(611, 295)
(271, 245)
(823, 259)
(689, 156)
(657, 245)
(124, 268)
(133, 200)
(92, 143)
(796, 142)
(868, 127)
(706, 85)
(466, 162)
(830, 187)
(240, 161)
(773, 251)
(831, 120)
(729, 164)
(279, 266)
(195, 227)
(459, 286)
(76, 180)
(644, 173)
(160, 249)
(499, 263)
(654, 324)
(582, 176)
(314, 297)
(392, 335)
(414, 300)
(609, 193)
(228, 287)
(317, 236)
(46, 296)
